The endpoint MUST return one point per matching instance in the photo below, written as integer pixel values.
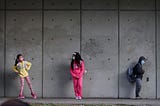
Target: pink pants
(22, 84)
(78, 86)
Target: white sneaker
(79, 97)
(76, 98)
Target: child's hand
(77, 76)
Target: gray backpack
(131, 78)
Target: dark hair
(141, 58)
(77, 59)
(17, 59)
(15, 102)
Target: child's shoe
(76, 98)
(21, 97)
(34, 95)
(79, 97)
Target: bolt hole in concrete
(14, 20)
(32, 19)
(70, 4)
(15, 4)
(33, 3)
(52, 38)
(70, 38)
(70, 19)
(32, 38)
(52, 19)
(15, 39)
(32, 78)
(53, 4)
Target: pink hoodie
(77, 72)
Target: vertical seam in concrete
(156, 47)
(4, 48)
(80, 26)
(42, 43)
(118, 45)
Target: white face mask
(142, 62)
(73, 57)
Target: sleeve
(14, 68)
(82, 69)
(28, 65)
(139, 70)
(73, 74)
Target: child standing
(22, 67)
(77, 70)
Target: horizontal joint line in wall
(135, 10)
(99, 9)
(41, 9)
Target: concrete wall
(110, 34)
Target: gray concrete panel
(62, 4)
(23, 4)
(99, 4)
(137, 4)
(158, 55)
(24, 35)
(61, 39)
(2, 4)
(158, 4)
(100, 52)
(2, 53)
(137, 38)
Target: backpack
(131, 78)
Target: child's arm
(28, 65)
(82, 69)
(73, 74)
(14, 68)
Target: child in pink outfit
(77, 70)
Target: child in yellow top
(22, 67)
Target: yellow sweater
(22, 68)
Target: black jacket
(137, 70)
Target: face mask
(142, 62)
(73, 57)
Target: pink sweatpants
(22, 84)
(78, 86)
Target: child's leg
(75, 84)
(29, 84)
(80, 86)
(22, 86)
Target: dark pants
(138, 86)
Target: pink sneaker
(34, 95)
(21, 97)
(79, 97)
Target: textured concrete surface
(110, 34)
(23, 35)
(158, 55)
(123, 102)
(2, 53)
(100, 51)
(61, 39)
(137, 38)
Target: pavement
(135, 102)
